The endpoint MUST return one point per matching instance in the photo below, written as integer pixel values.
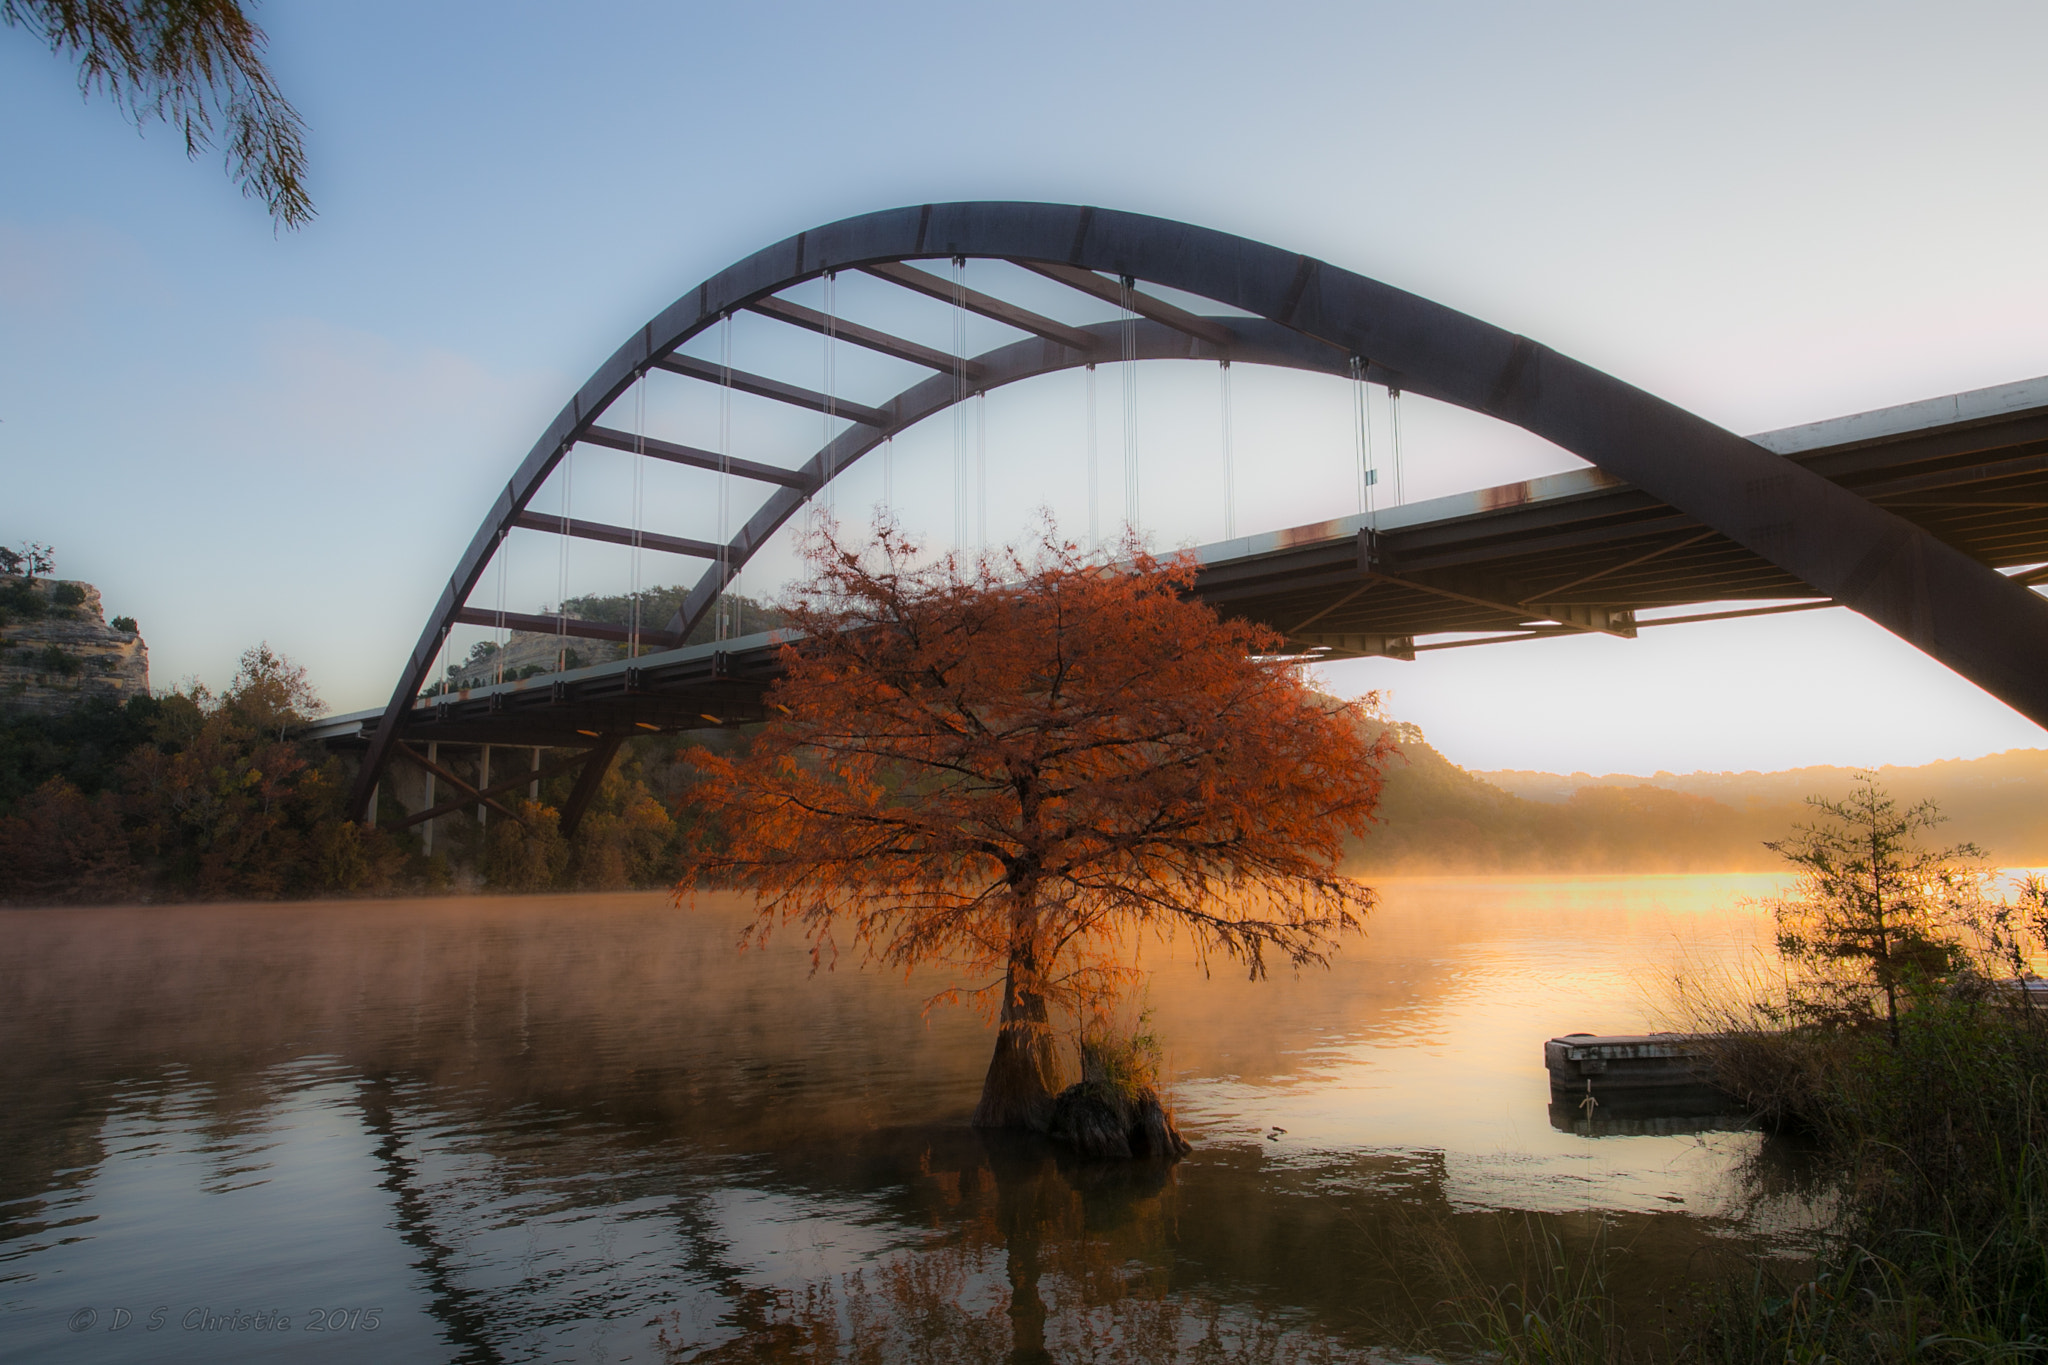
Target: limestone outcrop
(527, 653)
(57, 649)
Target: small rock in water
(1090, 1120)
(1096, 1121)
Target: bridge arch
(1289, 310)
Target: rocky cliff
(57, 649)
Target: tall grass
(1941, 1143)
(1559, 1310)
(1938, 1147)
(1125, 1063)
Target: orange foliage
(61, 844)
(1005, 767)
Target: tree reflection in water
(1042, 1262)
(544, 1128)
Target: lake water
(586, 1128)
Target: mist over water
(585, 1127)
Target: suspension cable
(1132, 512)
(889, 474)
(981, 470)
(831, 376)
(562, 578)
(1361, 409)
(639, 501)
(1229, 468)
(1394, 426)
(498, 636)
(1094, 488)
(959, 398)
(724, 471)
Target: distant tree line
(153, 798)
(198, 795)
(1436, 817)
(106, 801)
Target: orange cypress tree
(1011, 767)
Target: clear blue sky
(1769, 213)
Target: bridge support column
(588, 781)
(427, 828)
(483, 782)
(533, 787)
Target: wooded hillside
(1437, 817)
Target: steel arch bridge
(1675, 510)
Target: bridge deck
(1574, 552)
(1585, 551)
(695, 687)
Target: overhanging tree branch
(196, 65)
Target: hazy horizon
(1741, 772)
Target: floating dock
(1617, 1084)
(1605, 1062)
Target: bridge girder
(1306, 314)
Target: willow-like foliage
(196, 65)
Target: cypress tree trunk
(1024, 1075)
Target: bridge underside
(1585, 553)
(678, 689)
(1574, 553)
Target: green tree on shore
(1874, 916)
(198, 794)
